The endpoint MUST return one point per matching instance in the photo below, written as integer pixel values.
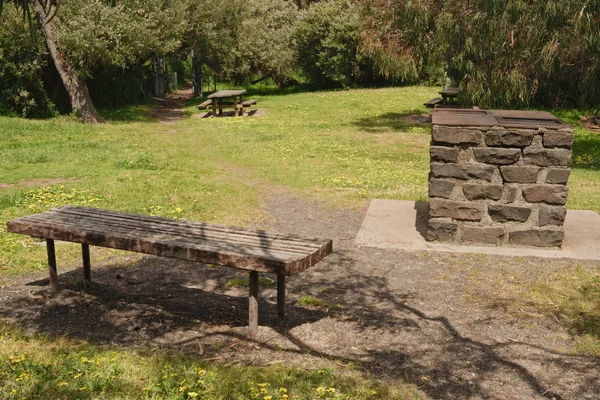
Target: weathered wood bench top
(252, 250)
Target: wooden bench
(204, 104)
(252, 250)
(249, 102)
(433, 102)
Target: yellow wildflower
(193, 395)
(63, 383)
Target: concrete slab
(396, 224)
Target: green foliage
(98, 35)
(328, 38)
(21, 58)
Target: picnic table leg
(281, 295)
(214, 107)
(53, 276)
(253, 304)
(87, 270)
(235, 109)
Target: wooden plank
(53, 274)
(253, 304)
(205, 104)
(232, 255)
(249, 102)
(257, 238)
(219, 94)
(279, 251)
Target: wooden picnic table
(449, 95)
(220, 97)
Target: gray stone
(519, 174)
(551, 194)
(445, 154)
(482, 234)
(558, 139)
(504, 213)
(547, 157)
(455, 209)
(458, 171)
(481, 192)
(558, 176)
(442, 134)
(442, 231)
(497, 156)
(537, 238)
(512, 138)
(552, 215)
(440, 188)
(511, 193)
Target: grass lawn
(340, 147)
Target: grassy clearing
(64, 369)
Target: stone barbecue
(498, 177)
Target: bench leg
(87, 268)
(281, 295)
(253, 304)
(52, 264)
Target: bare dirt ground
(170, 109)
(395, 315)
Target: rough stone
(442, 231)
(558, 139)
(482, 234)
(547, 157)
(483, 172)
(481, 192)
(511, 193)
(509, 138)
(552, 215)
(442, 134)
(455, 209)
(445, 154)
(497, 156)
(504, 213)
(551, 194)
(537, 237)
(519, 174)
(558, 176)
(440, 188)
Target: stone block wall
(499, 186)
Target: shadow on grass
(586, 151)
(131, 113)
(401, 122)
(157, 299)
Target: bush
(328, 39)
(21, 59)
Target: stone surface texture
(500, 184)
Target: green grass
(64, 369)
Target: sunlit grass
(32, 367)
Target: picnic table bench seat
(433, 102)
(204, 104)
(249, 102)
(252, 250)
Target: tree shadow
(400, 122)
(159, 298)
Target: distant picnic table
(227, 99)
(449, 95)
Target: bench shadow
(150, 299)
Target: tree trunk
(74, 83)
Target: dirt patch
(37, 182)
(393, 314)
(591, 123)
(169, 110)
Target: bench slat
(128, 230)
(249, 102)
(193, 241)
(180, 223)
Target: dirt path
(170, 109)
(398, 316)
